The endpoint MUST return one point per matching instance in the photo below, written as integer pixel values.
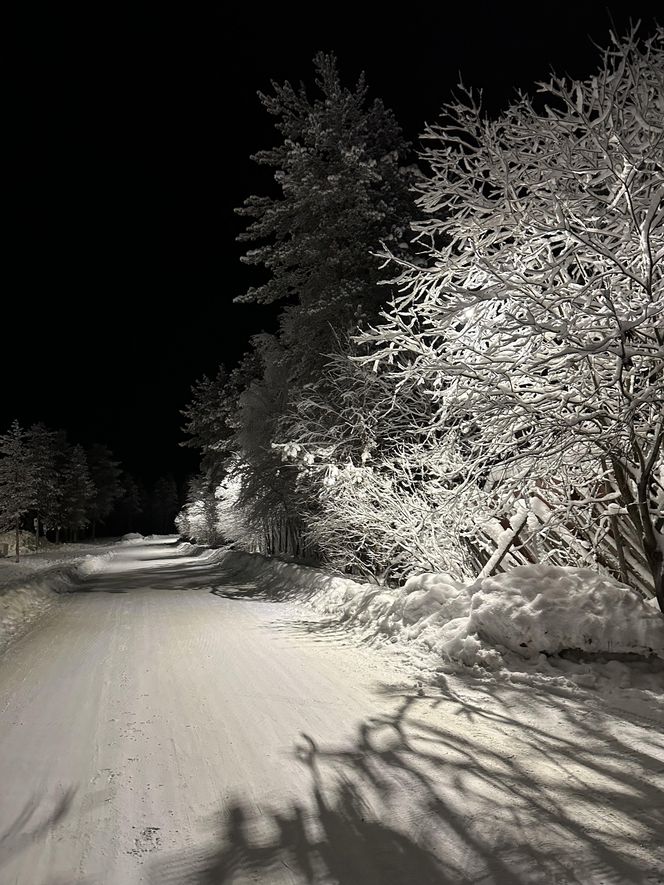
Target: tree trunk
(658, 575)
(18, 536)
(57, 534)
(93, 529)
(620, 550)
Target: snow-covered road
(167, 725)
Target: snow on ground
(534, 624)
(210, 716)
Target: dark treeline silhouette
(58, 490)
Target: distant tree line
(55, 487)
(468, 370)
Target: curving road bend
(168, 725)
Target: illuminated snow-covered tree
(381, 491)
(208, 419)
(536, 327)
(267, 496)
(343, 188)
(197, 520)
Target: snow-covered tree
(233, 522)
(76, 492)
(208, 418)
(344, 188)
(267, 490)
(44, 445)
(197, 520)
(536, 326)
(18, 478)
(381, 493)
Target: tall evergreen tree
(344, 190)
(18, 478)
(77, 491)
(105, 472)
(165, 503)
(44, 447)
(208, 419)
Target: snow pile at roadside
(29, 588)
(549, 609)
(28, 598)
(93, 564)
(528, 611)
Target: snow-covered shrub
(533, 318)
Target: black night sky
(131, 134)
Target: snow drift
(543, 608)
(530, 610)
(29, 588)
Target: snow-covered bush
(533, 319)
(232, 522)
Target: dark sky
(130, 135)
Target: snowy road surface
(165, 725)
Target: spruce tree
(344, 190)
(76, 492)
(105, 473)
(18, 478)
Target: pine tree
(130, 504)
(76, 492)
(197, 521)
(344, 190)
(18, 478)
(165, 503)
(105, 473)
(43, 444)
(209, 419)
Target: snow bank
(28, 588)
(543, 608)
(132, 536)
(93, 564)
(530, 610)
(28, 598)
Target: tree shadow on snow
(176, 573)
(244, 591)
(26, 828)
(162, 575)
(442, 791)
